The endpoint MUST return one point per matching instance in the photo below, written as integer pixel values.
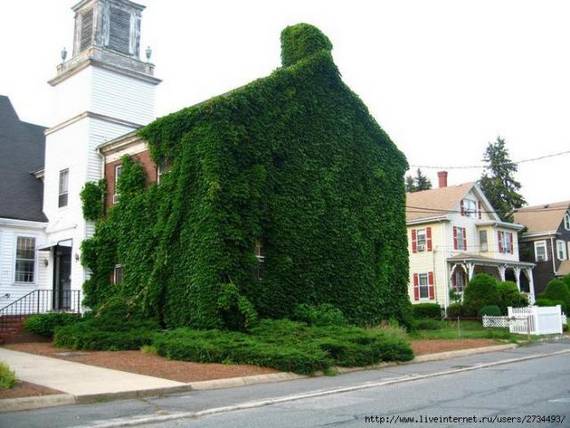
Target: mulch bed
(432, 346)
(25, 389)
(144, 363)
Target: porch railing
(38, 302)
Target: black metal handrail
(38, 302)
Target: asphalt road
(532, 380)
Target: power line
(481, 166)
(428, 210)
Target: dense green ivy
(92, 199)
(294, 161)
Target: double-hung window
(423, 284)
(118, 274)
(540, 251)
(118, 169)
(469, 208)
(567, 221)
(63, 194)
(561, 250)
(460, 238)
(421, 239)
(25, 265)
(506, 244)
(483, 241)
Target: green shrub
(427, 324)
(46, 324)
(7, 376)
(286, 345)
(541, 301)
(324, 314)
(93, 199)
(557, 290)
(509, 295)
(111, 328)
(481, 291)
(490, 310)
(237, 312)
(455, 310)
(427, 310)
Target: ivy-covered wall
(294, 161)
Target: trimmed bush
(557, 290)
(46, 324)
(427, 310)
(286, 345)
(490, 310)
(428, 324)
(455, 310)
(324, 314)
(481, 291)
(112, 328)
(7, 376)
(541, 301)
(509, 295)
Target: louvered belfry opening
(86, 29)
(119, 30)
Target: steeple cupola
(107, 32)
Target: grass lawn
(467, 330)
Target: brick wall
(143, 158)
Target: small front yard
(451, 330)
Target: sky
(442, 78)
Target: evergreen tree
(410, 184)
(418, 183)
(498, 181)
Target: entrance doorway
(62, 278)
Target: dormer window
(119, 30)
(86, 34)
(567, 221)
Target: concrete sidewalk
(81, 380)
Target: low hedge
(286, 345)
(46, 324)
(455, 310)
(490, 310)
(325, 314)
(85, 336)
(427, 310)
(428, 324)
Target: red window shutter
(465, 239)
(511, 244)
(479, 209)
(416, 287)
(500, 238)
(431, 286)
(414, 241)
(454, 237)
(462, 207)
(428, 238)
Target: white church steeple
(102, 92)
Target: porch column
(528, 272)
(502, 270)
(470, 270)
(517, 271)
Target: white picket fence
(533, 320)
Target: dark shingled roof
(22, 147)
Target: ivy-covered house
(281, 192)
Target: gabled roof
(545, 218)
(435, 202)
(22, 148)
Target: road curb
(29, 403)
(37, 402)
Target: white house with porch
(453, 234)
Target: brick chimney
(442, 178)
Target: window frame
(471, 212)
(117, 173)
(422, 232)
(34, 260)
(456, 274)
(507, 242)
(118, 268)
(60, 192)
(484, 246)
(538, 244)
(461, 243)
(426, 285)
(561, 245)
(567, 221)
